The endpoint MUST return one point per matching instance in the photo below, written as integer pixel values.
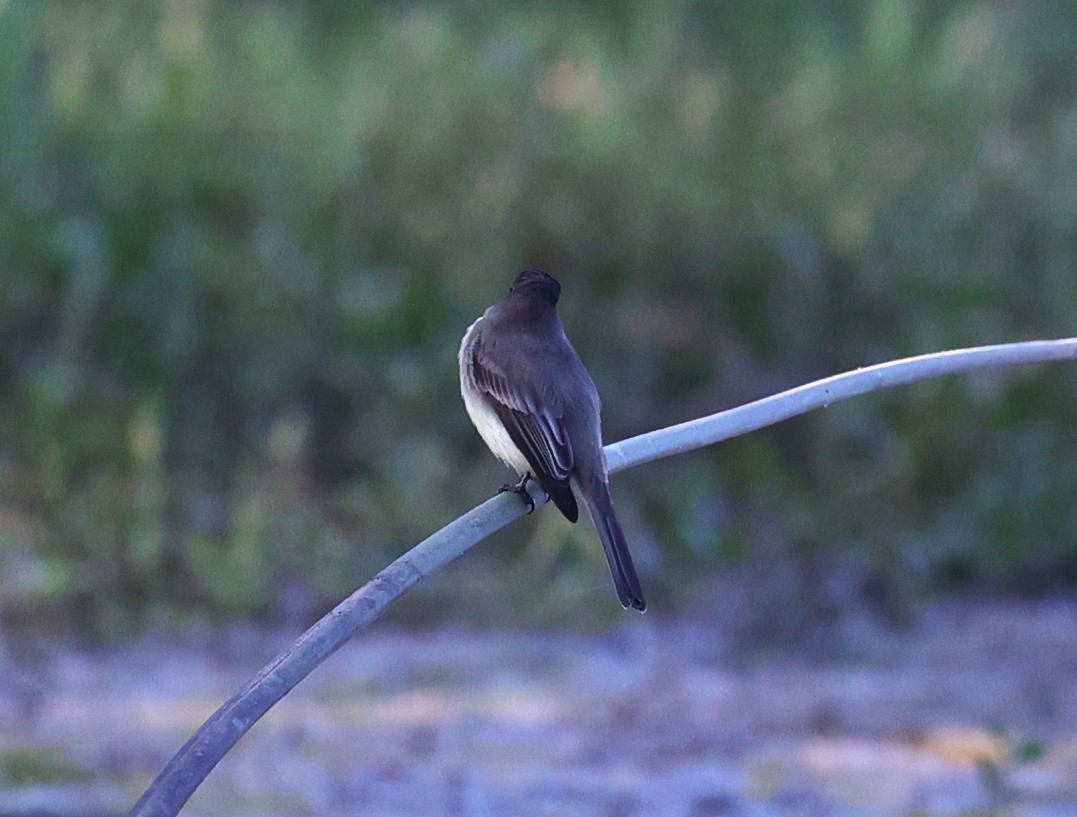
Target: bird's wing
(536, 429)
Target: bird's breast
(482, 414)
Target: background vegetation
(239, 242)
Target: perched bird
(534, 404)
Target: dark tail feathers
(600, 505)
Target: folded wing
(537, 430)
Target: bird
(534, 404)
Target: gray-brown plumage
(536, 407)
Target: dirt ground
(970, 711)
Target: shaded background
(240, 241)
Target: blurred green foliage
(239, 242)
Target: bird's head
(537, 283)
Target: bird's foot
(520, 489)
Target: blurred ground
(239, 243)
(969, 711)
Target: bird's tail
(600, 506)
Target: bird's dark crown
(537, 282)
